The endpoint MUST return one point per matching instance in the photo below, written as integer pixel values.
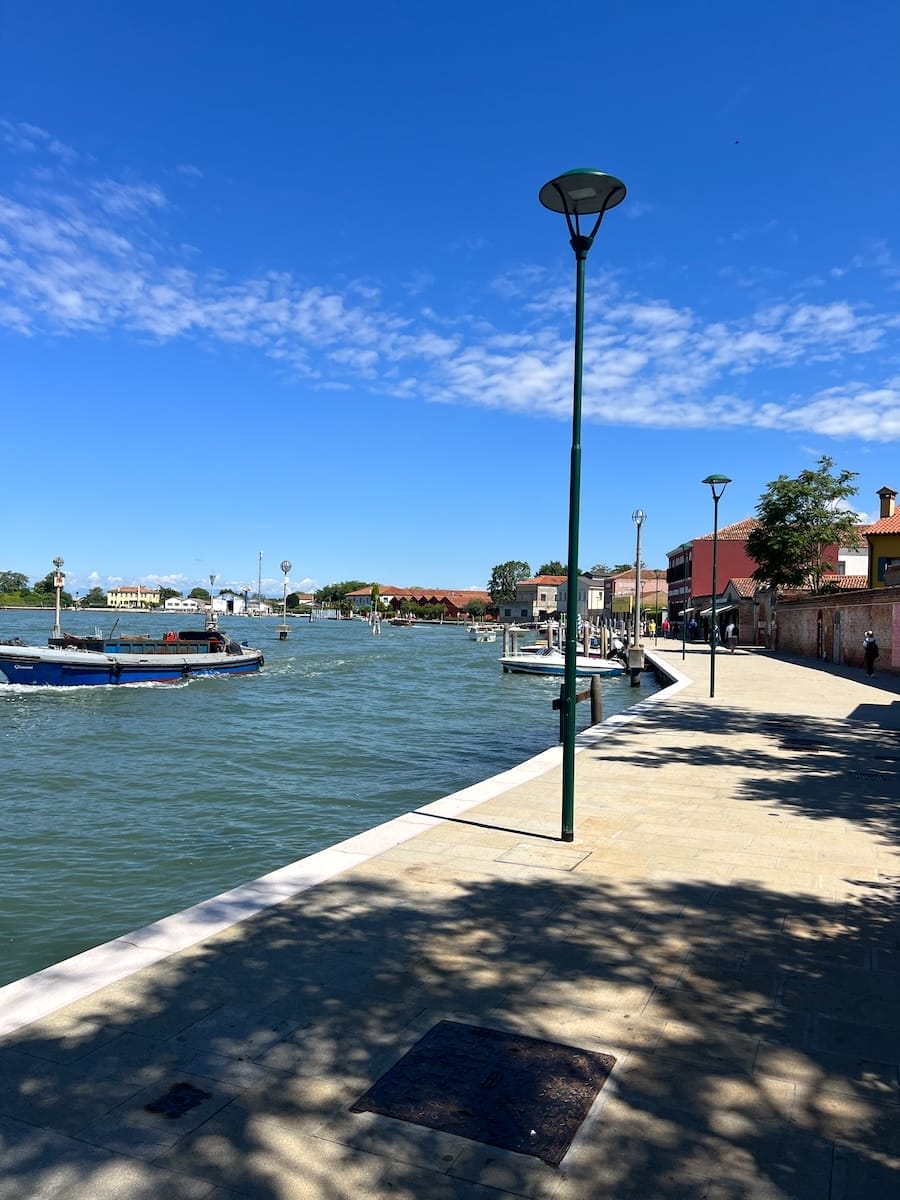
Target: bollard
(596, 700)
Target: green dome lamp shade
(583, 192)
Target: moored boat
(550, 661)
(73, 660)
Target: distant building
(136, 596)
(452, 600)
(883, 537)
(536, 599)
(175, 604)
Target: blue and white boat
(72, 660)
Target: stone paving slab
(726, 924)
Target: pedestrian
(692, 628)
(731, 636)
(870, 651)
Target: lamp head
(719, 482)
(286, 566)
(639, 517)
(582, 192)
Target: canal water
(122, 805)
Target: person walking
(870, 651)
(731, 636)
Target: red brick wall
(800, 630)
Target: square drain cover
(516, 1093)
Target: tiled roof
(738, 532)
(885, 525)
(745, 585)
(547, 580)
(846, 583)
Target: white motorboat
(551, 661)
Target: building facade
(136, 596)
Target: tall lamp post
(639, 517)
(59, 582)
(283, 627)
(717, 485)
(583, 192)
(684, 547)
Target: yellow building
(883, 537)
(136, 596)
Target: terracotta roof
(547, 580)
(745, 585)
(885, 525)
(738, 532)
(846, 583)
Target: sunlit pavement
(725, 924)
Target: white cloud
(81, 259)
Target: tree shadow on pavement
(757, 1037)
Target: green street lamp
(583, 192)
(721, 482)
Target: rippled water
(125, 804)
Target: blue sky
(275, 278)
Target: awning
(720, 608)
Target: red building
(690, 566)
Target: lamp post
(684, 547)
(639, 517)
(283, 627)
(59, 581)
(583, 192)
(719, 482)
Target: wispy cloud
(93, 256)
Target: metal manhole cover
(516, 1093)
(179, 1099)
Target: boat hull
(543, 664)
(84, 668)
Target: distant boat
(550, 661)
(402, 621)
(71, 660)
(482, 633)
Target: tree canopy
(334, 593)
(554, 567)
(799, 519)
(504, 577)
(13, 581)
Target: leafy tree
(334, 593)
(95, 598)
(167, 593)
(600, 569)
(554, 567)
(798, 520)
(504, 577)
(45, 585)
(629, 566)
(475, 608)
(13, 581)
(199, 593)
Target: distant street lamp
(721, 482)
(584, 192)
(639, 517)
(59, 582)
(684, 547)
(283, 627)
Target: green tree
(799, 519)
(554, 567)
(475, 608)
(199, 593)
(334, 593)
(504, 577)
(13, 581)
(601, 569)
(167, 593)
(95, 598)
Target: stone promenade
(725, 926)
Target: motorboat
(73, 660)
(550, 661)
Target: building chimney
(887, 496)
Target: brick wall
(832, 627)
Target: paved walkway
(725, 925)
